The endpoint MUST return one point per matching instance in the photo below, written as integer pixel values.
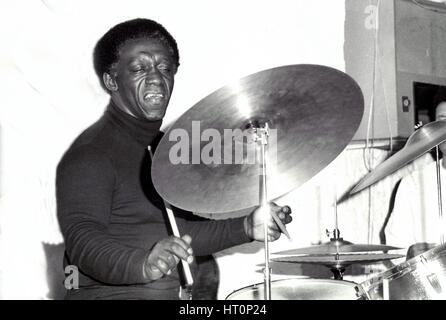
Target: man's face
(440, 114)
(144, 77)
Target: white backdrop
(50, 93)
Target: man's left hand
(254, 222)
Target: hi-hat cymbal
(337, 246)
(420, 142)
(312, 112)
(340, 260)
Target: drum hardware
(386, 289)
(440, 205)
(421, 141)
(337, 270)
(314, 112)
(261, 136)
(336, 254)
(338, 262)
(424, 276)
(420, 278)
(430, 276)
(337, 246)
(301, 289)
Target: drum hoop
(317, 280)
(403, 268)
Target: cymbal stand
(338, 271)
(336, 232)
(261, 136)
(440, 204)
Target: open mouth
(153, 96)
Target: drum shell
(300, 289)
(420, 278)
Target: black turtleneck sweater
(110, 214)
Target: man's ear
(110, 82)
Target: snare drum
(299, 289)
(420, 278)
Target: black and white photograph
(223, 150)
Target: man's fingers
(286, 209)
(163, 265)
(273, 237)
(287, 219)
(285, 214)
(154, 269)
(187, 238)
(184, 242)
(171, 259)
(274, 233)
(180, 252)
(274, 207)
(280, 211)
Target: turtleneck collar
(142, 130)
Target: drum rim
(402, 268)
(317, 280)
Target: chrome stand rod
(265, 208)
(440, 204)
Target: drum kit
(299, 118)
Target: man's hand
(165, 256)
(254, 222)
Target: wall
(401, 42)
(372, 64)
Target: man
(113, 221)
(414, 222)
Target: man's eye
(137, 69)
(164, 67)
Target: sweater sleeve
(84, 188)
(211, 236)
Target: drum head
(299, 289)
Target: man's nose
(154, 77)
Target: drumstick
(176, 233)
(173, 224)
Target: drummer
(414, 222)
(112, 219)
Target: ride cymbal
(312, 113)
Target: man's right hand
(165, 256)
